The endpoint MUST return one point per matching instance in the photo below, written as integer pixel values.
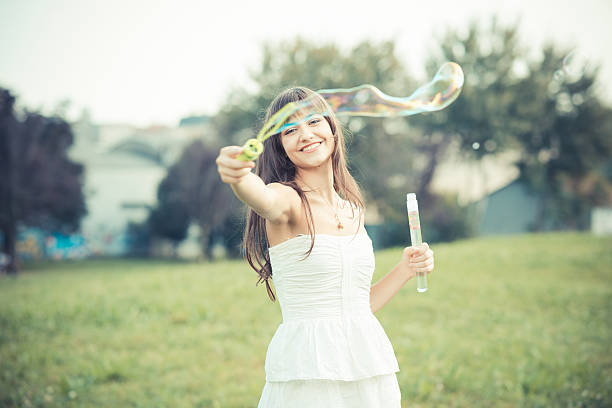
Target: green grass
(508, 322)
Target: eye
(314, 121)
(290, 130)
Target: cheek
(286, 145)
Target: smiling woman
(305, 224)
(310, 135)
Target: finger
(226, 161)
(409, 251)
(428, 254)
(229, 180)
(419, 249)
(231, 161)
(231, 151)
(418, 253)
(423, 264)
(237, 174)
(425, 269)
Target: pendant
(340, 226)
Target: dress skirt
(381, 391)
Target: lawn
(521, 321)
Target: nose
(306, 133)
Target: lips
(311, 146)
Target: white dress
(330, 350)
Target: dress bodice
(328, 329)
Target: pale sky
(153, 62)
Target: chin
(314, 163)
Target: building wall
(509, 210)
(123, 168)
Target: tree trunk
(433, 155)
(10, 241)
(204, 238)
(8, 222)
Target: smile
(311, 147)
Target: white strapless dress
(330, 350)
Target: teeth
(311, 147)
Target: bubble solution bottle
(415, 235)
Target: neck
(318, 180)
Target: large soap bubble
(364, 100)
(367, 100)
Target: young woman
(305, 230)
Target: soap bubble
(367, 100)
(363, 100)
(575, 65)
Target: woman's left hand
(418, 259)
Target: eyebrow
(299, 121)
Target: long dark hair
(274, 166)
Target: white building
(123, 168)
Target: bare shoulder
(288, 202)
(284, 192)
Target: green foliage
(445, 221)
(565, 141)
(192, 192)
(170, 218)
(507, 322)
(511, 100)
(381, 153)
(493, 62)
(138, 239)
(39, 184)
(554, 119)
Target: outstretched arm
(414, 259)
(273, 201)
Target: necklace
(340, 226)
(334, 209)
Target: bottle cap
(410, 196)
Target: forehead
(306, 108)
(299, 118)
(294, 113)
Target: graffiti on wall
(35, 243)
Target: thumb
(234, 151)
(410, 251)
(230, 151)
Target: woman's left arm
(414, 260)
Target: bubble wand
(254, 147)
(415, 235)
(367, 100)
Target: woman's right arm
(274, 202)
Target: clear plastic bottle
(415, 235)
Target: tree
(480, 122)
(40, 185)
(388, 157)
(192, 192)
(170, 218)
(565, 141)
(371, 141)
(511, 100)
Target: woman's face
(308, 141)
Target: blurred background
(129, 103)
(112, 114)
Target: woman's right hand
(231, 169)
